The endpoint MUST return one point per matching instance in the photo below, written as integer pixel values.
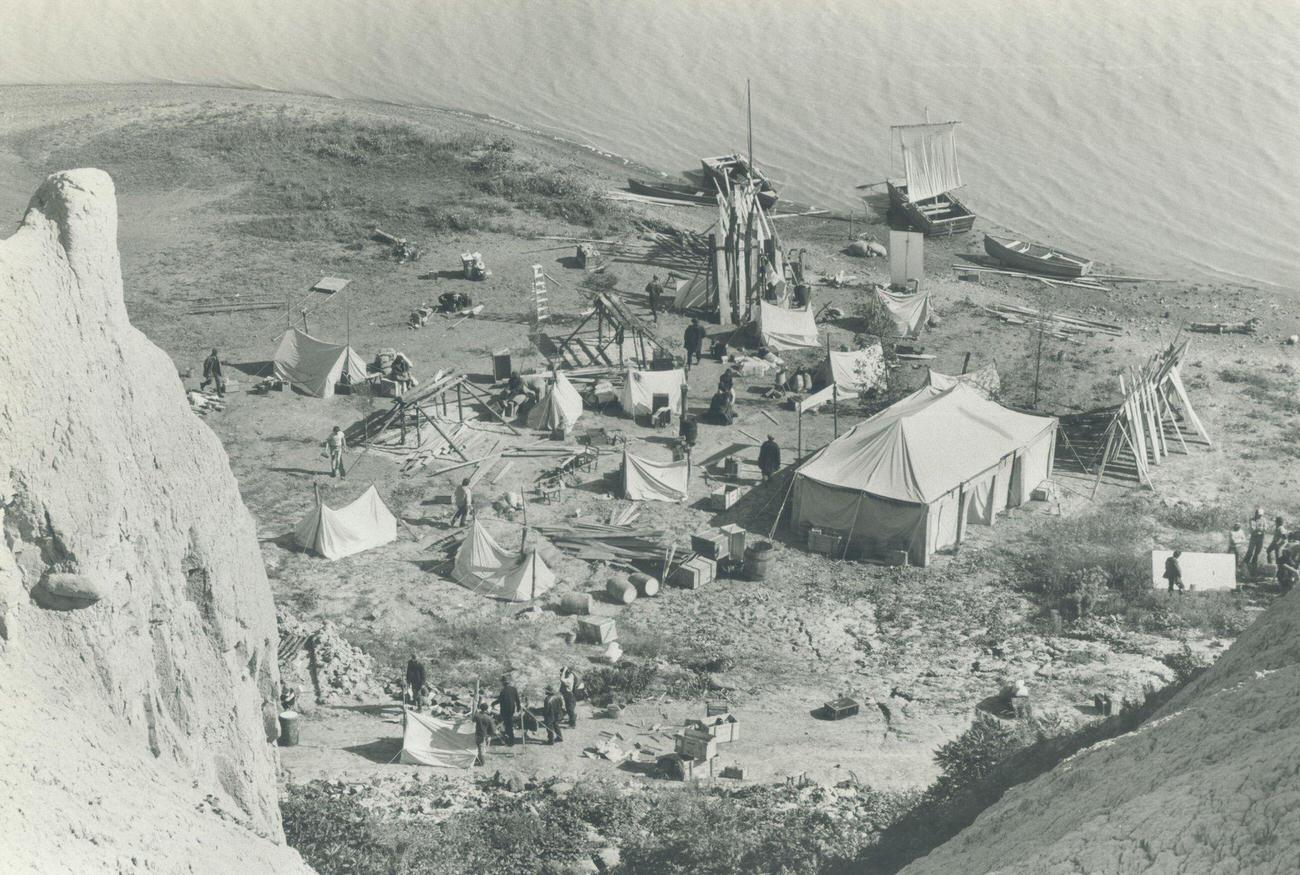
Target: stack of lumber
(202, 403)
(1084, 282)
(235, 304)
(600, 542)
(1061, 325)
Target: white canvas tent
(640, 387)
(985, 380)
(908, 312)
(315, 366)
(855, 370)
(645, 480)
(486, 567)
(361, 525)
(911, 477)
(780, 328)
(559, 407)
(432, 741)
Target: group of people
(1246, 544)
(559, 705)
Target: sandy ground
(816, 628)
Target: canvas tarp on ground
(314, 366)
(908, 312)
(640, 387)
(559, 407)
(644, 480)
(985, 379)
(433, 741)
(913, 475)
(361, 525)
(780, 328)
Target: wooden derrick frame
(586, 348)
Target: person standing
(1235, 538)
(212, 374)
(336, 443)
(464, 500)
(569, 692)
(654, 290)
(1275, 546)
(552, 713)
(769, 458)
(1258, 528)
(693, 340)
(1174, 572)
(508, 702)
(484, 730)
(415, 676)
(1287, 570)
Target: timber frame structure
(1145, 419)
(603, 346)
(445, 394)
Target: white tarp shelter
(985, 379)
(361, 525)
(559, 407)
(640, 387)
(911, 477)
(1201, 571)
(486, 567)
(780, 328)
(645, 480)
(908, 312)
(855, 370)
(315, 366)
(433, 741)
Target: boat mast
(749, 118)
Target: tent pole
(835, 406)
(798, 457)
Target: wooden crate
(723, 727)
(712, 544)
(731, 467)
(694, 573)
(735, 541)
(826, 541)
(697, 746)
(723, 497)
(838, 709)
(599, 630)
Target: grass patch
(1203, 518)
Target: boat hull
(942, 216)
(1039, 259)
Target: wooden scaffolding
(617, 333)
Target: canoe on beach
(1035, 257)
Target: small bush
(625, 682)
(1185, 664)
(1105, 546)
(335, 835)
(1206, 518)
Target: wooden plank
(501, 472)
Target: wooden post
(965, 363)
(418, 440)
(304, 321)
(460, 410)
(799, 454)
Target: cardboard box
(696, 746)
(735, 541)
(713, 544)
(694, 573)
(598, 630)
(723, 497)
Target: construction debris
(1250, 326)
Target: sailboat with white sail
(924, 195)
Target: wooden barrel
(288, 729)
(757, 558)
(645, 584)
(621, 590)
(575, 603)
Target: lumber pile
(1062, 325)
(236, 304)
(202, 403)
(1248, 327)
(1083, 282)
(609, 543)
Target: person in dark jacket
(508, 701)
(694, 340)
(727, 381)
(654, 291)
(552, 714)
(1174, 572)
(1276, 545)
(769, 457)
(415, 676)
(212, 374)
(484, 731)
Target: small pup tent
(911, 477)
(908, 312)
(361, 525)
(640, 387)
(985, 380)
(315, 366)
(559, 407)
(853, 371)
(486, 567)
(781, 329)
(644, 480)
(432, 741)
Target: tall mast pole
(749, 117)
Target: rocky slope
(137, 635)
(1211, 784)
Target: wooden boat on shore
(724, 170)
(925, 196)
(675, 191)
(1036, 258)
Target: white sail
(929, 159)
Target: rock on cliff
(1210, 784)
(137, 634)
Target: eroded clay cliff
(137, 633)
(1211, 784)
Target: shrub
(1206, 518)
(625, 682)
(1185, 664)
(517, 837)
(335, 835)
(1100, 546)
